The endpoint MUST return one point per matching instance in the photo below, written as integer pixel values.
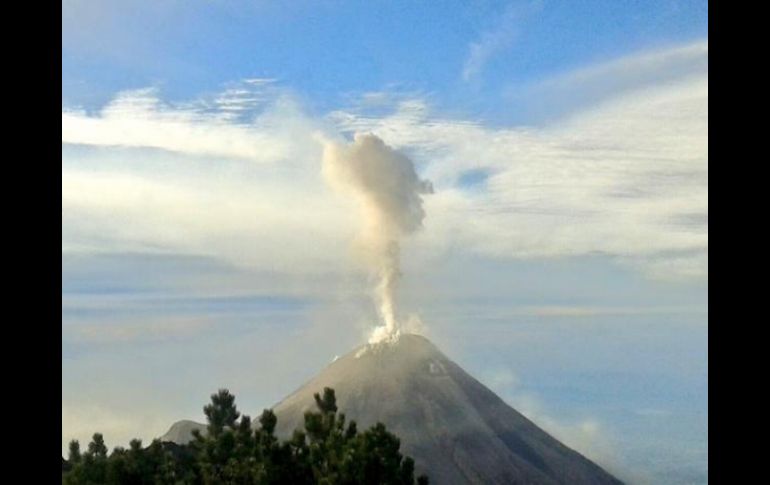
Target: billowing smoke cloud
(388, 191)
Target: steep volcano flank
(456, 429)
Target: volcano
(455, 428)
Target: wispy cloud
(205, 128)
(627, 178)
(575, 90)
(497, 38)
(146, 330)
(595, 311)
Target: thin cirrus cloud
(625, 175)
(139, 118)
(148, 330)
(496, 39)
(578, 89)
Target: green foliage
(74, 450)
(221, 413)
(326, 451)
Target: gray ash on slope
(181, 432)
(456, 429)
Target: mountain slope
(457, 430)
(181, 432)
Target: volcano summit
(455, 428)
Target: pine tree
(96, 447)
(326, 451)
(221, 413)
(74, 456)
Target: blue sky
(327, 50)
(564, 254)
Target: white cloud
(267, 224)
(140, 119)
(581, 88)
(627, 177)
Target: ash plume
(388, 192)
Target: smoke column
(388, 191)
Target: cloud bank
(626, 177)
